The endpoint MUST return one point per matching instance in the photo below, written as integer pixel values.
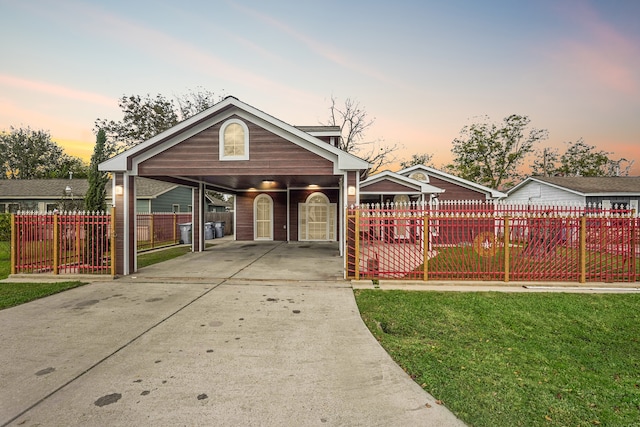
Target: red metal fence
(159, 229)
(62, 243)
(81, 242)
(492, 241)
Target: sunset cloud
(56, 90)
(603, 54)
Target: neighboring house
(390, 187)
(41, 195)
(47, 195)
(623, 191)
(422, 183)
(454, 188)
(156, 196)
(289, 183)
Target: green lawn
(498, 359)
(12, 294)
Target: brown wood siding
(454, 191)
(244, 215)
(268, 154)
(300, 196)
(386, 186)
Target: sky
(422, 69)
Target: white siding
(541, 193)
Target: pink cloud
(56, 90)
(604, 55)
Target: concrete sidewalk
(227, 352)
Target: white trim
(255, 216)
(221, 141)
(454, 179)
(288, 215)
(396, 178)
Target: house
(47, 195)
(391, 187)
(41, 195)
(623, 191)
(453, 187)
(289, 183)
(156, 196)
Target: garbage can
(219, 227)
(185, 232)
(208, 231)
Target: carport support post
(197, 217)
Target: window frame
(221, 140)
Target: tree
(146, 117)
(546, 162)
(95, 199)
(354, 121)
(417, 159)
(579, 159)
(491, 154)
(31, 154)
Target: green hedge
(5, 227)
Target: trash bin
(185, 232)
(208, 231)
(219, 227)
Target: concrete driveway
(180, 345)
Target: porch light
(119, 190)
(351, 190)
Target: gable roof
(588, 185)
(128, 160)
(453, 179)
(41, 188)
(394, 177)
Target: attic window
(234, 140)
(419, 176)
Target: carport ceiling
(234, 183)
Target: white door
(263, 214)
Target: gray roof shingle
(590, 185)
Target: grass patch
(498, 359)
(150, 258)
(12, 294)
(5, 259)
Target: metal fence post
(425, 248)
(583, 249)
(152, 231)
(507, 249)
(357, 244)
(56, 245)
(14, 240)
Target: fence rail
(492, 241)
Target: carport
(291, 184)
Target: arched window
(234, 140)
(419, 176)
(263, 217)
(317, 218)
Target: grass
(12, 294)
(149, 258)
(498, 359)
